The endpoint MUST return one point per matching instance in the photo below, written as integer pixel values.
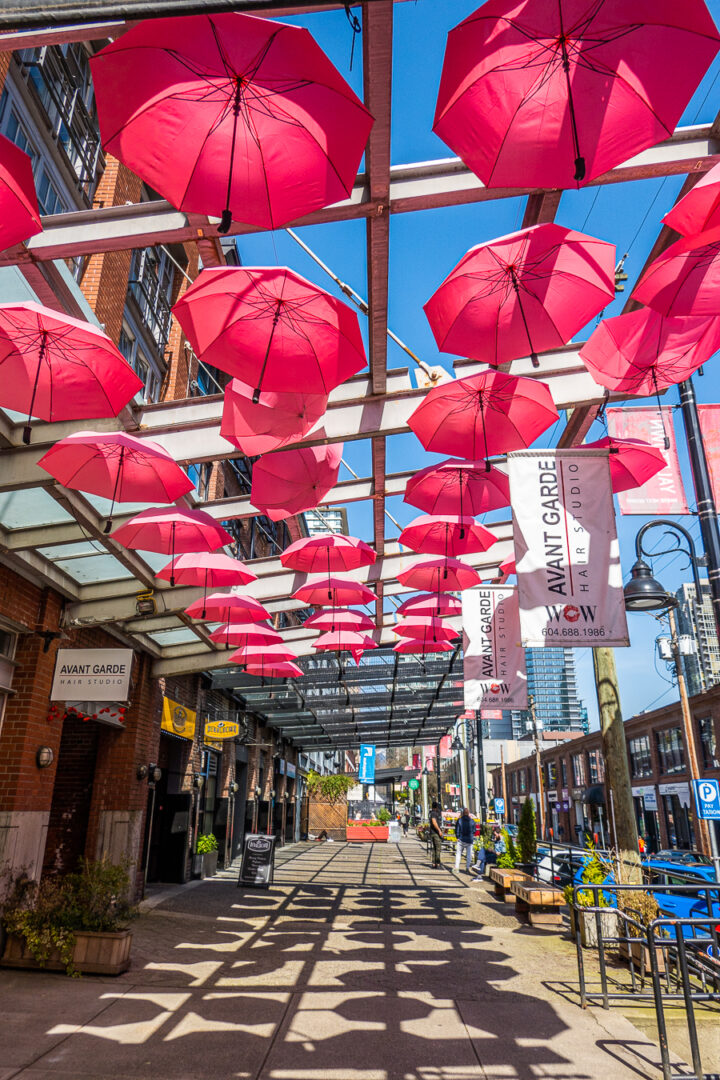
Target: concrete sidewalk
(361, 963)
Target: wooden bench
(503, 879)
(538, 901)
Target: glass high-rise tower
(553, 684)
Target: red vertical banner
(445, 751)
(663, 493)
(710, 428)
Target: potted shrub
(76, 923)
(527, 839)
(507, 860)
(642, 907)
(594, 873)
(206, 855)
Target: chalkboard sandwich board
(258, 861)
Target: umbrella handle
(579, 159)
(108, 523)
(258, 388)
(172, 554)
(27, 429)
(226, 216)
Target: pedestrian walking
(405, 823)
(436, 836)
(465, 833)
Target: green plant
(507, 860)
(332, 788)
(527, 833)
(383, 815)
(594, 874)
(206, 843)
(639, 905)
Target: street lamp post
(538, 767)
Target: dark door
(72, 796)
(169, 838)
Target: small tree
(527, 833)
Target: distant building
(698, 621)
(326, 519)
(552, 683)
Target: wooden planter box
(367, 832)
(588, 926)
(95, 953)
(638, 954)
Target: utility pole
(480, 768)
(504, 779)
(439, 785)
(616, 765)
(538, 767)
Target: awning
(594, 795)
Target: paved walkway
(361, 963)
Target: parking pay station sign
(707, 799)
(366, 771)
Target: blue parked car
(681, 903)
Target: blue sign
(707, 799)
(499, 806)
(366, 772)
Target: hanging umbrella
(273, 670)
(19, 213)
(241, 634)
(508, 567)
(422, 646)
(632, 461)
(430, 604)
(345, 641)
(439, 575)
(277, 419)
(117, 465)
(171, 532)
(340, 619)
(684, 280)
(327, 551)
(419, 626)
(458, 487)
(228, 608)
(699, 210)
(272, 329)
(209, 569)
(258, 654)
(334, 592)
(536, 94)
(489, 413)
(59, 368)
(291, 481)
(230, 113)
(448, 534)
(522, 294)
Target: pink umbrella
(699, 210)
(231, 111)
(228, 608)
(272, 329)
(430, 604)
(19, 213)
(419, 626)
(446, 534)
(340, 619)
(171, 531)
(208, 569)
(439, 575)
(632, 461)
(522, 294)
(277, 419)
(291, 481)
(327, 551)
(458, 487)
(684, 280)
(258, 654)
(60, 368)
(132, 469)
(536, 94)
(490, 413)
(345, 640)
(274, 670)
(241, 634)
(422, 646)
(508, 567)
(334, 592)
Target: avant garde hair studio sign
(92, 675)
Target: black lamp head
(644, 593)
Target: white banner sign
(92, 675)
(566, 549)
(494, 662)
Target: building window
(563, 772)
(593, 767)
(8, 641)
(551, 774)
(151, 282)
(514, 783)
(640, 759)
(48, 196)
(578, 769)
(670, 750)
(139, 362)
(708, 743)
(523, 781)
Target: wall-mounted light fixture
(152, 773)
(272, 793)
(145, 603)
(198, 780)
(44, 757)
(233, 787)
(258, 791)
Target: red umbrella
(632, 461)
(274, 670)
(327, 551)
(422, 646)
(419, 626)
(277, 419)
(458, 487)
(430, 604)
(171, 532)
(522, 294)
(241, 634)
(684, 280)
(60, 368)
(228, 608)
(19, 213)
(699, 210)
(345, 640)
(271, 328)
(334, 592)
(208, 569)
(439, 575)
(446, 534)
(291, 481)
(489, 413)
(134, 470)
(231, 111)
(259, 654)
(537, 94)
(340, 619)
(508, 567)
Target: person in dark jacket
(465, 833)
(436, 835)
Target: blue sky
(425, 246)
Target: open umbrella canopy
(334, 592)
(508, 567)
(458, 487)
(429, 626)
(422, 646)
(439, 575)
(259, 654)
(273, 669)
(172, 532)
(291, 481)
(227, 608)
(489, 413)
(521, 294)
(436, 604)
(446, 534)
(276, 419)
(241, 634)
(684, 280)
(632, 461)
(340, 619)
(19, 213)
(699, 210)
(210, 569)
(230, 113)
(340, 640)
(327, 552)
(272, 329)
(59, 368)
(537, 94)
